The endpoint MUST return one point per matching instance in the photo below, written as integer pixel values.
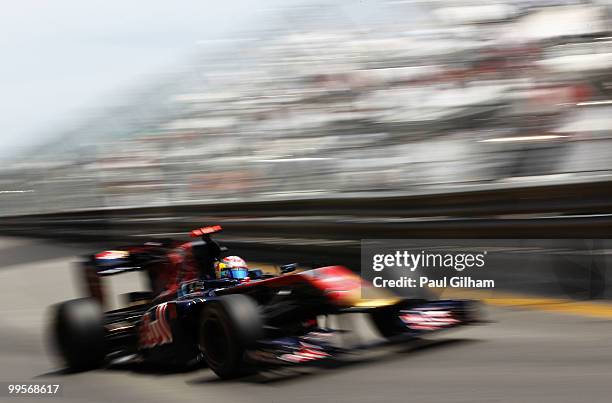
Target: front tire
(228, 327)
(78, 332)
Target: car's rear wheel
(228, 327)
(78, 331)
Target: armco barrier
(577, 198)
(325, 231)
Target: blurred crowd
(458, 95)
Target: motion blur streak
(523, 356)
(347, 97)
(481, 120)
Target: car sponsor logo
(427, 320)
(155, 332)
(306, 352)
(112, 254)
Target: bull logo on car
(155, 332)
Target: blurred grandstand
(425, 96)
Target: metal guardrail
(537, 211)
(328, 231)
(568, 198)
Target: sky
(62, 57)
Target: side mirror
(288, 268)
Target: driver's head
(232, 267)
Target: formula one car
(234, 324)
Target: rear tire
(228, 327)
(78, 331)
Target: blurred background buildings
(460, 96)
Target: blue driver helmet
(232, 267)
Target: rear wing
(112, 262)
(130, 258)
(136, 258)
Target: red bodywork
(339, 284)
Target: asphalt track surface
(524, 356)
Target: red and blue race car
(232, 324)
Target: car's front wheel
(228, 327)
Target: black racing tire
(386, 321)
(228, 327)
(78, 332)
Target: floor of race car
(525, 355)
